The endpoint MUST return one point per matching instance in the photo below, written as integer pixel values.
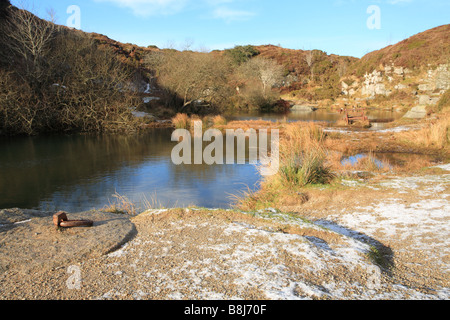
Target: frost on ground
(220, 255)
(415, 222)
(200, 257)
(396, 247)
(387, 130)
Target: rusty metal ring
(60, 220)
(76, 223)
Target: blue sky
(334, 26)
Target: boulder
(424, 87)
(400, 86)
(418, 112)
(29, 239)
(399, 71)
(426, 100)
(303, 108)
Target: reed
(122, 205)
(219, 121)
(181, 121)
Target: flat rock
(29, 240)
(418, 112)
(303, 108)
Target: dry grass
(303, 156)
(181, 121)
(367, 162)
(250, 124)
(435, 135)
(219, 121)
(303, 161)
(122, 205)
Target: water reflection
(354, 160)
(78, 173)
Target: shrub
(70, 84)
(303, 167)
(192, 78)
(241, 54)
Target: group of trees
(247, 77)
(55, 79)
(190, 78)
(216, 79)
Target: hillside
(429, 48)
(313, 74)
(412, 73)
(56, 79)
(54, 84)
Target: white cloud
(229, 15)
(217, 2)
(391, 2)
(398, 1)
(150, 7)
(219, 9)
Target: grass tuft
(303, 157)
(181, 121)
(435, 135)
(219, 121)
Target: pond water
(320, 115)
(81, 172)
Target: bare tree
(51, 13)
(309, 58)
(267, 71)
(84, 88)
(188, 44)
(27, 37)
(93, 92)
(192, 76)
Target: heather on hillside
(424, 50)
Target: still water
(320, 115)
(81, 172)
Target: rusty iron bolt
(60, 220)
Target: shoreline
(173, 239)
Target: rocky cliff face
(379, 82)
(413, 74)
(426, 88)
